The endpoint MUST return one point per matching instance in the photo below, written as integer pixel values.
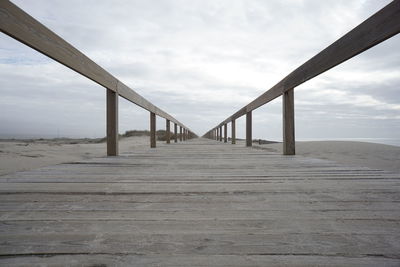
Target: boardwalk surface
(200, 203)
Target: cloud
(200, 61)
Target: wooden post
(180, 133)
(220, 133)
(225, 133)
(112, 123)
(248, 129)
(167, 132)
(152, 130)
(233, 132)
(176, 132)
(288, 123)
(184, 134)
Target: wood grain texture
(175, 133)
(203, 203)
(249, 129)
(112, 123)
(24, 28)
(225, 133)
(379, 27)
(167, 131)
(153, 128)
(289, 147)
(233, 131)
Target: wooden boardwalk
(200, 203)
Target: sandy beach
(22, 155)
(31, 154)
(362, 154)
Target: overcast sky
(201, 61)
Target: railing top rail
(24, 28)
(376, 29)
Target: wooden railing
(376, 29)
(24, 28)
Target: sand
(362, 154)
(27, 155)
(23, 155)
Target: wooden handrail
(21, 26)
(379, 27)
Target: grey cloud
(200, 61)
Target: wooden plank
(249, 260)
(249, 126)
(175, 133)
(112, 123)
(379, 27)
(201, 199)
(152, 130)
(233, 130)
(288, 123)
(167, 132)
(225, 133)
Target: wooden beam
(19, 25)
(225, 133)
(176, 132)
(249, 138)
(167, 132)
(152, 130)
(288, 123)
(233, 130)
(379, 27)
(112, 123)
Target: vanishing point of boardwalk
(201, 202)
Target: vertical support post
(220, 133)
(180, 133)
(249, 137)
(233, 130)
(288, 123)
(112, 123)
(225, 133)
(184, 134)
(167, 131)
(152, 130)
(176, 132)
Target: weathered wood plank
(249, 129)
(112, 123)
(200, 198)
(201, 260)
(288, 123)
